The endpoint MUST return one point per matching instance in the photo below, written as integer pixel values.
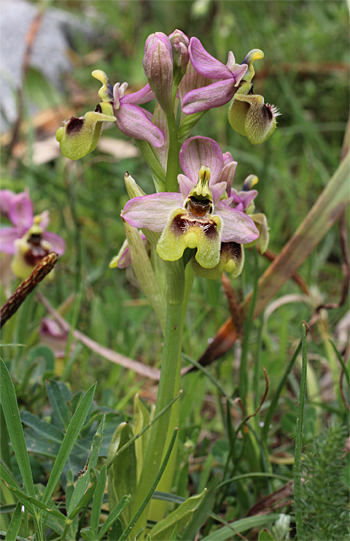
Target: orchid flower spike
(79, 136)
(249, 115)
(28, 239)
(195, 218)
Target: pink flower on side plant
(196, 217)
(28, 239)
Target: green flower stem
(169, 381)
(173, 166)
(157, 508)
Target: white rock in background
(48, 52)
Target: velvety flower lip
(218, 93)
(21, 214)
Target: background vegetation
(304, 73)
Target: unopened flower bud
(180, 43)
(158, 67)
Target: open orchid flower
(28, 239)
(195, 217)
(249, 115)
(79, 136)
(222, 90)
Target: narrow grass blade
(15, 523)
(114, 515)
(72, 434)
(142, 507)
(254, 474)
(14, 427)
(31, 502)
(277, 394)
(299, 441)
(239, 526)
(98, 499)
(340, 359)
(84, 479)
(7, 476)
(201, 513)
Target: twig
(14, 302)
(299, 280)
(114, 357)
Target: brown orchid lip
(182, 222)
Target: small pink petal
(197, 152)
(205, 64)
(186, 185)
(21, 211)
(133, 121)
(238, 227)
(208, 97)
(217, 190)
(228, 173)
(57, 243)
(151, 211)
(6, 197)
(141, 96)
(8, 235)
(44, 219)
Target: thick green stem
(168, 381)
(173, 166)
(157, 508)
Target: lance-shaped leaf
(144, 273)
(122, 470)
(141, 419)
(180, 518)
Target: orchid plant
(194, 223)
(28, 240)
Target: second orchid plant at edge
(196, 222)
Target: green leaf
(140, 421)
(42, 428)
(149, 495)
(87, 534)
(114, 515)
(72, 434)
(98, 499)
(180, 517)
(84, 479)
(122, 472)
(201, 513)
(15, 523)
(46, 353)
(14, 427)
(145, 274)
(84, 501)
(239, 526)
(59, 405)
(264, 535)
